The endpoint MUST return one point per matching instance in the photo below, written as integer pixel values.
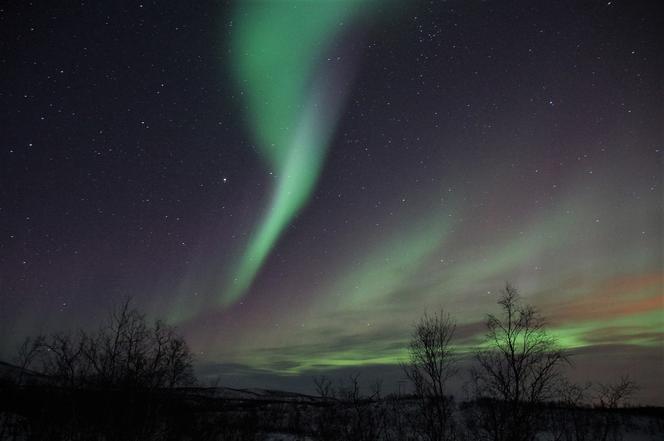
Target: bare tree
(377, 389)
(324, 387)
(27, 353)
(572, 419)
(587, 416)
(62, 359)
(125, 352)
(324, 424)
(517, 369)
(609, 399)
(430, 366)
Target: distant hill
(12, 373)
(253, 394)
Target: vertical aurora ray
(293, 105)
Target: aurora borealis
(293, 109)
(293, 183)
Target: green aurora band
(364, 313)
(292, 107)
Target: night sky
(293, 183)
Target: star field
(294, 192)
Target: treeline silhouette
(133, 380)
